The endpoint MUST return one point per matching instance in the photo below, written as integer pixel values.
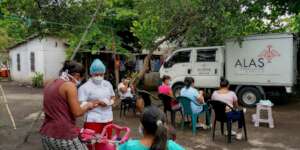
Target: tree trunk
(176, 31)
(144, 70)
(116, 65)
(117, 71)
(86, 30)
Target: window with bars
(18, 62)
(32, 61)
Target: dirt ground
(25, 103)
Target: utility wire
(27, 19)
(86, 30)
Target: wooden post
(86, 30)
(7, 108)
(116, 65)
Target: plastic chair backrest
(185, 104)
(166, 100)
(118, 130)
(219, 108)
(146, 98)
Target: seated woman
(154, 131)
(230, 98)
(196, 96)
(165, 88)
(125, 91)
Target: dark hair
(224, 82)
(153, 120)
(165, 77)
(73, 67)
(188, 81)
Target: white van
(256, 66)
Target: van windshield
(179, 57)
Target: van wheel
(249, 96)
(176, 89)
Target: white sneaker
(203, 126)
(232, 133)
(239, 136)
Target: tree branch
(87, 29)
(176, 31)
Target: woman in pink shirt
(230, 98)
(165, 88)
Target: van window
(179, 57)
(206, 55)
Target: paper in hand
(83, 104)
(108, 102)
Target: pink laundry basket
(101, 141)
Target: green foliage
(4, 39)
(38, 80)
(68, 19)
(146, 31)
(132, 24)
(294, 23)
(12, 30)
(212, 21)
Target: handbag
(175, 105)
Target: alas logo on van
(269, 53)
(258, 63)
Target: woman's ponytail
(160, 137)
(72, 67)
(153, 121)
(66, 66)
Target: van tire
(249, 96)
(177, 88)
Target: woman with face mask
(97, 88)
(154, 130)
(61, 106)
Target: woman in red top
(61, 107)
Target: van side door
(208, 67)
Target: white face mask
(77, 82)
(141, 132)
(97, 79)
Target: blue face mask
(97, 79)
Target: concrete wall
(25, 74)
(54, 53)
(49, 55)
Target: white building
(165, 49)
(43, 55)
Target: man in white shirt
(98, 88)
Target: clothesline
(119, 53)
